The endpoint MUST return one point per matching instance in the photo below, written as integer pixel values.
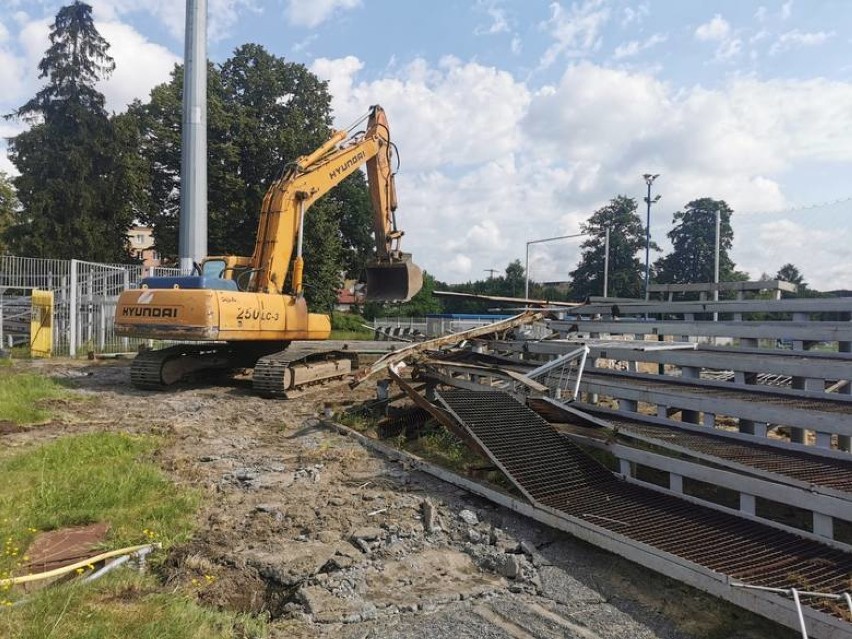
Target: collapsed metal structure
(697, 461)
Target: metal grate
(556, 473)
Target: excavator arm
(278, 248)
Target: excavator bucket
(396, 281)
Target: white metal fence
(85, 297)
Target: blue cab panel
(190, 281)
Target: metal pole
(606, 263)
(648, 238)
(193, 172)
(73, 304)
(547, 239)
(718, 246)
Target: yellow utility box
(41, 324)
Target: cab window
(213, 268)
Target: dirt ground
(329, 540)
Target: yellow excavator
(243, 312)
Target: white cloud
(715, 30)
(311, 13)
(796, 39)
(455, 114)
(765, 245)
(140, 65)
(637, 15)
(499, 23)
(787, 10)
(634, 47)
(729, 49)
(577, 32)
(718, 30)
(489, 162)
(222, 15)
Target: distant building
(142, 246)
(350, 296)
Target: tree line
(86, 176)
(692, 259)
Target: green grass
(96, 477)
(444, 449)
(21, 395)
(122, 604)
(349, 326)
(85, 479)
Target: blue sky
(516, 119)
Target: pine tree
(626, 240)
(73, 162)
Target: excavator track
(159, 369)
(284, 374)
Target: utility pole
(491, 272)
(649, 180)
(193, 154)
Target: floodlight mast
(193, 156)
(649, 180)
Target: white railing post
(73, 302)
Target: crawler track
(272, 373)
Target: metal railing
(85, 294)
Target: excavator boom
(391, 276)
(243, 312)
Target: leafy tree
(262, 112)
(626, 240)
(74, 184)
(694, 245)
(9, 206)
(789, 273)
(514, 283)
(424, 303)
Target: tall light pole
(606, 262)
(649, 180)
(527, 267)
(192, 238)
(716, 262)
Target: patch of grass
(122, 604)
(445, 449)
(21, 394)
(361, 422)
(85, 479)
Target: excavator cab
(396, 280)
